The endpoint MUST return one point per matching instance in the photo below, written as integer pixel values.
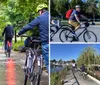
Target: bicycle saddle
(35, 40)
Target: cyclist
(74, 19)
(74, 66)
(9, 33)
(42, 21)
(83, 69)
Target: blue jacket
(72, 17)
(8, 31)
(83, 69)
(42, 22)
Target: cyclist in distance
(74, 66)
(83, 69)
(75, 16)
(9, 33)
(42, 22)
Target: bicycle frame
(58, 28)
(9, 44)
(31, 59)
(52, 35)
(82, 31)
(8, 49)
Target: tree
(60, 61)
(87, 57)
(18, 12)
(54, 61)
(92, 8)
(59, 7)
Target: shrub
(58, 77)
(17, 45)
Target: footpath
(70, 79)
(19, 59)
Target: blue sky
(69, 51)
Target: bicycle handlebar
(22, 35)
(33, 38)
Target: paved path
(19, 60)
(94, 28)
(70, 80)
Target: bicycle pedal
(51, 39)
(75, 38)
(30, 76)
(24, 68)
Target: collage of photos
(49, 42)
(74, 34)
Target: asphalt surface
(19, 60)
(70, 80)
(93, 28)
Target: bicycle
(8, 52)
(69, 35)
(54, 32)
(33, 63)
(84, 75)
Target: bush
(95, 76)
(17, 45)
(58, 77)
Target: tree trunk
(15, 37)
(93, 17)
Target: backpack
(68, 13)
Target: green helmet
(8, 23)
(41, 6)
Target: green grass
(17, 45)
(57, 77)
(1, 43)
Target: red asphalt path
(10, 72)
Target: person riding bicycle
(74, 66)
(83, 69)
(42, 21)
(9, 33)
(75, 16)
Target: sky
(69, 51)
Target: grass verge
(57, 77)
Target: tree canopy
(18, 12)
(89, 7)
(89, 56)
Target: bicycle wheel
(37, 77)
(26, 69)
(53, 30)
(25, 80)
(89, 36)
(7, 54)
(9, 50)
(84, 76)
(66, 35)
(26, 72)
